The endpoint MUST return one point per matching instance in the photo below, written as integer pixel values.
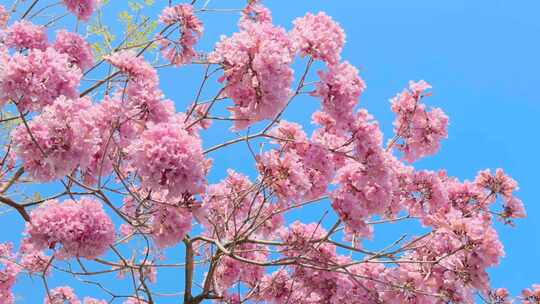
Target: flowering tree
(88, 116)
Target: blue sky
(481, 58)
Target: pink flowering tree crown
(124, 178)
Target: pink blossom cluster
(58, 140)
(227, 209)
(499, 296)
(170, 224)
(328, 135)
(232, 270)
(420, 130)
(66, 294)
(503, 185)
(8, 272)
(339, 89)
(424, 193)
(34, 80)
(531, 295)
(33, 260)
(365, 185)
(133, 146)
(301, 170)
(26, 35)
(180, 52)
(318, 36)
(81, 228)
(76, 47)
(83, 9)
(472, 242)
(169, 159)
(255, 12)
(257, 72)
(165, 221)
(462, 248)
(308, 282)
(144, 98)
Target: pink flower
(230, 202)
(63, 294)
(420, 130)
(32, 260)
(424, 194)
(531, 295)
(170, 224)
(165, 221)
(83, 9)
(255, 12)
(8, 273)
(229, 270)
(78, 50)
(500, 296)
(169, 158)
(144, 98)
(257, 74)
(61, 139)
(81, 228)
(26, 35)
(339, 90)
(500, 183)
(278, 287)
(513, 208)
(297, 175)
(181, 51)
(36, 79)
(361, 193)
(318, 36)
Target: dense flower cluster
(165, 221)
(83, 9)
(169, 158)
(132, 152)
(257, 74)
(81, 228)
(531, 295)
(8, 273)
(227, 209)
(301, 170)
(319, 37)
(170, 224)
(339, 89)
(36, 79)
(78, 49)
(144, 98)
(26, 35)
(61, 295)
(233, 270)
(503, 185)
(365, 184)
(58, 140)
(32, 260)
(421, 130)
(181, 51)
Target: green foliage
(8, 121)
(137, 30)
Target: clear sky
(482, 58)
